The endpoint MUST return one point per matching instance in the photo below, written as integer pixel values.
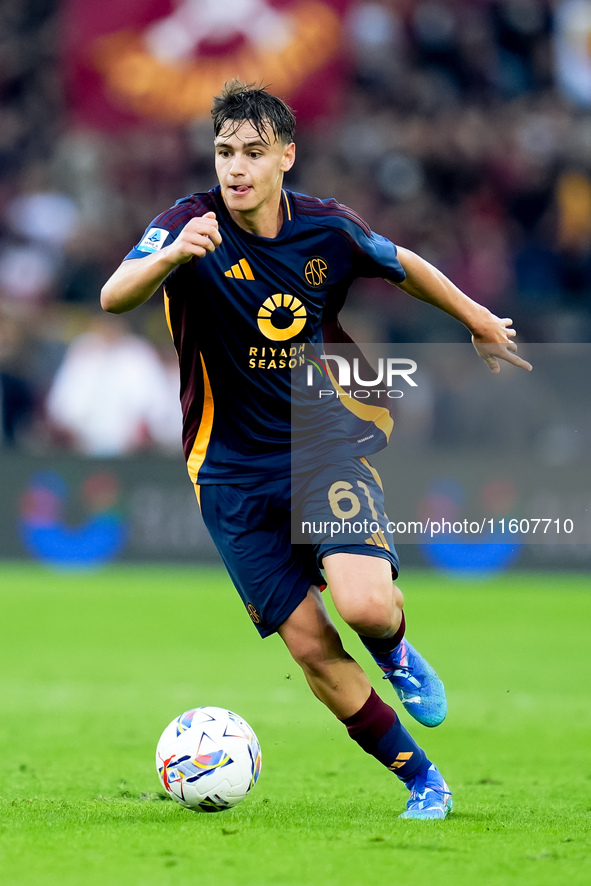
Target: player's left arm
(491, 336)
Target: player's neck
(264, 221)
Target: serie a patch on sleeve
(154, 240)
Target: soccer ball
(208, 759)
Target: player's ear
(288, 158)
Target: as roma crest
(316, 272)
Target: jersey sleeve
(165, 228)
(156, 235)
(371, 254)
(375, 256)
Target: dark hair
(241, 102)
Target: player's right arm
(137, 279)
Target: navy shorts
(251, 526)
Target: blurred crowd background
(460, 129)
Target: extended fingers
(492, 353)
(508, 353)
(500, 345)
(516, 361)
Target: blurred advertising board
(79, 513)
(72, 512)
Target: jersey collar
(288, 218)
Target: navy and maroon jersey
(241, 318)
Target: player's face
(250, 170)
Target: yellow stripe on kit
(199, 450)
(402, 758)
(374, 473)
(287, 205)
(167, 315)
(379, 415)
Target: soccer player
(252, 273)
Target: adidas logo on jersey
(240, 271)
(379, 539)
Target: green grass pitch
(94, 667)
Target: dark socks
(377, 729)
(382, 646)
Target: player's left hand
(496, 343)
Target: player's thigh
(251, 528)
(344, 505)
(341, 507)
(362, 590)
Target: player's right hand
(199, 236)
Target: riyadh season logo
(343, 377)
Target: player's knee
(372, 615)
(314, 652)
(310, 656)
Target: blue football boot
(430, 797)
(416, 684)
